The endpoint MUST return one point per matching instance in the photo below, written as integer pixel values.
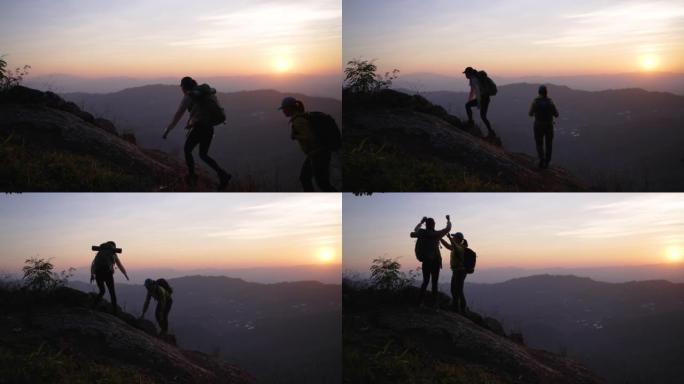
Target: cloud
(632, 23)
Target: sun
(649, 62)
(674, 254)
(326, 255)
(282, 64)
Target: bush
(38, 275)
(360, 77)
(386, 274)
(9, 78)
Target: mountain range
(280, 333)
(627, 332)
(627, 139)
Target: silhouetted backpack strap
(469, 258)
(205, 106)
(104, 259)
(488, 87)
(325, 129)
(165, 284)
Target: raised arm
(446, 229)
(121, 267)
(446, 244)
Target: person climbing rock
(161, 291)
(318, 135)
(102, 271)
(427, 252)
(481, 90)
(457, 245)
(205, 112)
(544, 110)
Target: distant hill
(394, 141)
(58, 338)
(255, 143)
(627, 332)
(389, 339)
(627, 139)
(282, 333)
(49, 144)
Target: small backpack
(424, 249)
(469, 258)
(104, 259)
(325, 129)
(165, 284)
(487, 84)
(208, 109)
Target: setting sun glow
(674, 254)
(282, 65)
(326, 255)
(649, 62)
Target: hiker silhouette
(544, 110)
(481, 89)
(205, 112)
(457, 245)
(102, 271)
(160, 291)
(427, 252)
(318, 135)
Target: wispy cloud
(636, 216)
(631, 23)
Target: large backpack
(424, 248)
(488, 87)
(325, 129)
(205, 106)
(469, 258)
(104, 260)
(165, 284)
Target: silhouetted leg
(166, 313)
(454, 289)
(539, 141)
(320, 163)
(204, 144)
(426, 281)
(549, 144)
(306, 175)
(461, 294)
(468, 106)
(190, 144)
(109, 280)
(159, 316)
(99, 280)
(483, 113)
(435, 285)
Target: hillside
(627, 332)
(617, 140)
(57, 338)
(49, 144)
(387, 340)
(254, 143)
(397, 142)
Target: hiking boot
(224, 178)
(191, 179)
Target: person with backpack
(205, 112)
(544, 110)
(102, 271)
(481, 89)
(318, 136)
(457, 245)
(427, 252)
(161, 291)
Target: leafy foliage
(9, 78)
(360, 77)
(39, 275)
(386, 274)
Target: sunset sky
(517, 37)
(528, 230)
(178, 231)
(172, 37)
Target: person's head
(543, 91)
(458, 236)
(188, 84)
(291, 106)
(430, 224)
(149, 283)
(469, 72)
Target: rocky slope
(397, 142)
(48, 144)
(58, 338)
(387, 340)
